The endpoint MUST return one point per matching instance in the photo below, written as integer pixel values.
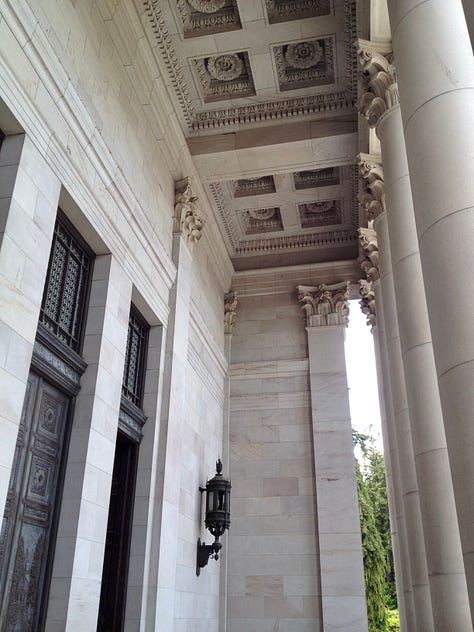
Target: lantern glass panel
(210, 500)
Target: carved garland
(325, 304)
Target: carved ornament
(187, 216)
(325, 304)
(207, 6)
(230, 308)
(367, 302)
(285, 10)
(371, 186)
(369, 258)
(378, 87)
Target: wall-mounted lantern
(217, 518)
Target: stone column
(436, 79)
(29, 194)
(187, 231)
(397, 523)
(373, 199)
(443, 548)
(371, 297)
(340, 547)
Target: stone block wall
(273, 557)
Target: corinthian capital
(367, 302)
(369, 256)
(187, 216)
(372, 185)
(230, 308)
(325, 304)
(378, 88)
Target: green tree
(374, 559)
(376, 537)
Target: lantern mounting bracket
(206, 552)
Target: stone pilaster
(29, 194)
(340, 548)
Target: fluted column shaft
(397, 519)
(435, 72)
(402, 436)
(440, 528)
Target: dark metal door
(117, 545)
(26, 537)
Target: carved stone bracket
(367, 302)
(325, 304)
(378, 88)
(187, 216)
(371, 185)
(230, 308)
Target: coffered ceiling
(264, 91)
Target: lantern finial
(219, 466)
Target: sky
(361, 375)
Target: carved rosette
(187, 216)
(371, 186)
(378, 88)
(325, 304)
(230, 309)
(367, 302)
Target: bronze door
(26, 540)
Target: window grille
(135, 355)
(67, 286)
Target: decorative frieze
(378, 88)
(230, 308)
(369, 257)
(286, 10)
(367, 302)
(225, 76)
(187, 216)
(304, 64)
(372, 186)
(325, 304)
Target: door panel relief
(26, 530)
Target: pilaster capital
(367, 302)
(369, 257)
(325, 304)
(372, 185)
(187, 218)
(378, 87)
(230, 309)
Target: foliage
(393, 621)
(376, 538)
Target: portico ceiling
(264, 91)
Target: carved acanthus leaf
(230, 308)
(187, 216)
(371, 186)
(369, 257)
(367, 302)
(378, 88)
(325, 304)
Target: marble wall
(273, 557)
